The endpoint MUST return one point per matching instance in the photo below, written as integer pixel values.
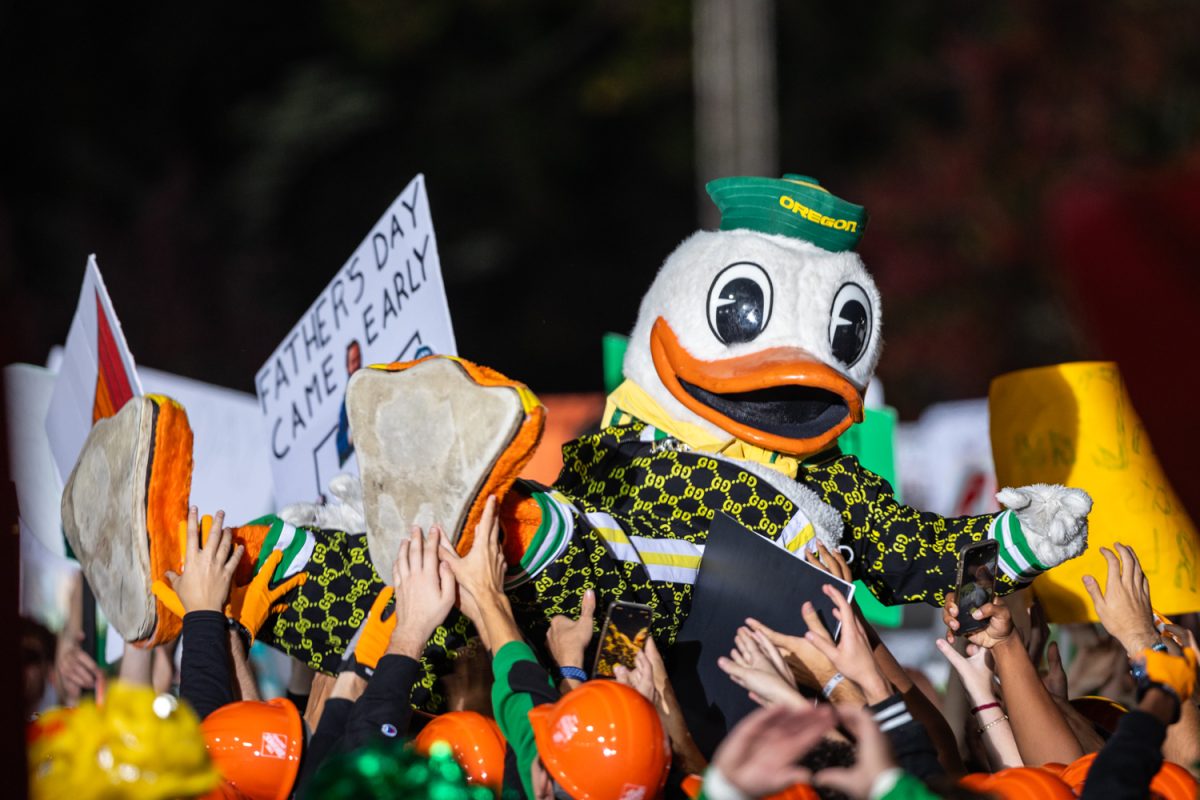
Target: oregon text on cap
(815, 216)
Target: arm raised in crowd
(424, 594)
(920, 706)
(480, 576)
(1040, 730)
(205, 672)
(1125, 611)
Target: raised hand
(207, 569)
(999, 627)
(640, 678)
(874, 756)
(1124, 605)
(808, 665)
(424, 591)
(480, 573)
(756, 666)
(568, 638)
(852, 655)
(759, 755)
(830, 561)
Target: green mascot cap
(794, 205)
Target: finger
(587, 610)
(1114, 569)
(1054, 658)
(813, 621)
(279, 591)
(621, 673)
(224, 545)
(448, 587)
(193, 533)
(416, 551)
(771, 651)
(172, 578)
(266, 572)
(235, 557)
(950, 654)
(825, 646)
(492, 522)
(400, 570)
(429, 557)
(1093, 590)
(381, 600)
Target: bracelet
(572, 674)
(993, 723)
(984, 707)
(832, 684)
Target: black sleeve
(325, 740)
(205, 676)
(1129, 760)
(384, 708)
(911, 745)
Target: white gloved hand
(1053, 519)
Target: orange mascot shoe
(602, 740)
(479, 430)
(121, 509)
(256, 747)
(476, 742)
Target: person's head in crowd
(37, 664)
(601, 740)
(354, 359)
(139, 745)
(389, 768)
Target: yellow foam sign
(1073, 424)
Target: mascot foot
(1052, 526)
(121, 509)
(434, 438)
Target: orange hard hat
(256, 746)
(602, 740)
(1019, 783)
(1172, 780)
(476, 741)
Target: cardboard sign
(97, 375)
(742, 575)
(387, 303)
(1073, 424)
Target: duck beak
(782, 399)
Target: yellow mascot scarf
(630, 401)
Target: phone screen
(625, 632)
(976, 582)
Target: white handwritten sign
(387, 303)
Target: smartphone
(976, 582)
(625, 631)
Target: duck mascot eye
(750, 355)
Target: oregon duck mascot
(750, 356)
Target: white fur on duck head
(804, 288)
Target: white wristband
(832, 684)
(718, 787)
(884, 782)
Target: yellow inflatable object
(1073, 424)
(136, 746)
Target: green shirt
(521, 683)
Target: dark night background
(224, 159)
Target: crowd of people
(839, 715)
